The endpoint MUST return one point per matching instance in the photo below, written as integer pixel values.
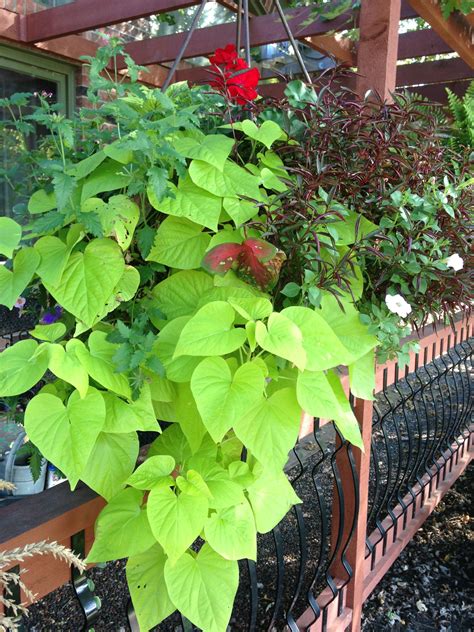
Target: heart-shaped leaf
(89, 279)
(66, 434)
(271, 428)
(232, 533)
(283, 338)
(13, 282)
(176, 521)
(146, 582)
(21, 367)
(10, 236)
(66, 366)
(222, 398)
(203, 588)
(122, 528)
(179, 243)
(271, 497)
(210, 333)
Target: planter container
(23, 480)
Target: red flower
(239, 88)
(242, 88)
(224, 56)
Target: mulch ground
(430, 586)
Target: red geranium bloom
(239, 87)
(224, 56)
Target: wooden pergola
(60, 31)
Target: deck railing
(360, 509)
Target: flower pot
(23, 480)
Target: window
(27, 72)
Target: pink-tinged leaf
(220, 258)
(262, 250)
(255, 261)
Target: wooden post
(378, 47)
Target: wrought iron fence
(358, 510)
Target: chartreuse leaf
(118, 152)
(108, 176)
(119, 218)
(122, 528)
(190, 201)
(66, 366)
(171, 442)
(176, 520)
(266, 134)
(347, 326)
(98, 362)
(225, 491)
(55, 253)
(66, 434)
(179, 294)
(322, 395)
(179, 243)
(232, 182)
(152, 472)
(13, 282)
(271, 497)
(203, 588)
(270, 429)
(146, 582)
(212, 148)
(188, 416)
(232, 532)
(10, 236)
(111, 462)
(21, 367)
(346, 228)
(240, 211)
(89, 279)
(323, 348)
(362, 376)
(177, 369)
(253, 308)
(283, 338)
(50, 333)
(85, 167)
(223, 398)
(123, 417)
(210, 332)
(41, 201)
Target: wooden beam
(420, 44)
(437, 92)
(433, 72)
(455, 31)
(339, 47)
(83, 15)
(264, 29)
(378, 46)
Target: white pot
(23, 480)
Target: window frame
(39, 65)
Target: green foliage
(462, 112)
(115, 239)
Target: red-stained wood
(420, 44)
(433, 72)
(378, 45)
(454, 30)
(396, 546)
(437, 92)
(264, 29)
(84, 15)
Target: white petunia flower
(398, 305)
(455, 262)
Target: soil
(429, 588)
